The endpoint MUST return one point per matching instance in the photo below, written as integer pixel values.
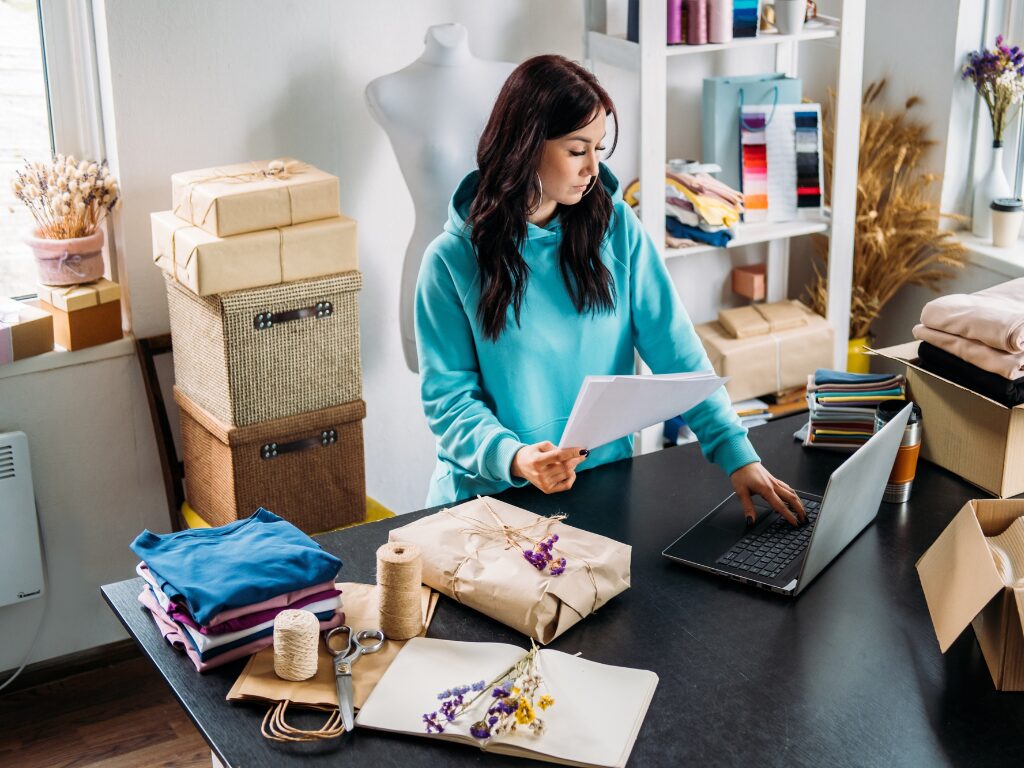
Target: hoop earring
(593, 183)
(540, 196)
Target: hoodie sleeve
(468, 433)
(667, 342)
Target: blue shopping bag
(723, 99)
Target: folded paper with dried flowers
(535, 703)
(535, 574)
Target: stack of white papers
(610, 407)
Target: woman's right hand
(548, 467)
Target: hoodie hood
(458, 206)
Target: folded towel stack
(842, 406)
(214, 592)
(977, 341)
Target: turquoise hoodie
(484, 400)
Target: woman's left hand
(754, 478)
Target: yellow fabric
(374, 511)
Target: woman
(542, 276)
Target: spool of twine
(399, 581)
(296, 641)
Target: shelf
(1008, 262)
(620, 52)
(757, 232)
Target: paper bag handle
(276, 729)
(768, 120)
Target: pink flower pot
(67, 262)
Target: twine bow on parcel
(514, 537)
(277, 170)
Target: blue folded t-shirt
(825, 376)
(235, 565)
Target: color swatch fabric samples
(808, 165)
(744, 17)
(754, 164)
(780, 161)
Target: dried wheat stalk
(897, 239)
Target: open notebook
(597, 714)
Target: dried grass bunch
(897, 240)
(67, 198)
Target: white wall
(97, 482)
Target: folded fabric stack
(699, 209)
(842, 406)
(977, 341)
(214, 592)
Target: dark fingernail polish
(584, 452)
(750, 522)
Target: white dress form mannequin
(434, 111)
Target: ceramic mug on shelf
(790, 15)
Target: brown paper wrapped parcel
(209, 265)
(247, 197)
(761, 365)
(473, 554)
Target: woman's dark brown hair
(544, 98)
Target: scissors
(356, 644)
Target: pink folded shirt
(1009, 366)
(994, 316)
(246, 616)
(174, 635)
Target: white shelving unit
(650, 60)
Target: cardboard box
(25, 331)
(87, 327)
(209, 265)
(972, 436)
(963, 586)
(762, 365)
(249, 197)
(750, 281)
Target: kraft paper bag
(259, 683)
(249, 197)
(473, 553)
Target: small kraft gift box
(260, 354)
(306, 468)
(25, 331)
(83, 315)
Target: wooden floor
(120, 716)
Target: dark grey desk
(849, 674)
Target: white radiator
(21, 564)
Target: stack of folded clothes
(842, 406)
(214, 592)
(977, 341)
(699, 209)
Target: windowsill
(1008, 262)
(60, 358)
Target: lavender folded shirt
(240, 618)
(175, 636)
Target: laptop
(774, 555)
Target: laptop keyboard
(770, 552)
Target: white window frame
(72, 85)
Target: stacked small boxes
(262, 285)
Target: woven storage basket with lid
(306, 468)
(259, 354)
